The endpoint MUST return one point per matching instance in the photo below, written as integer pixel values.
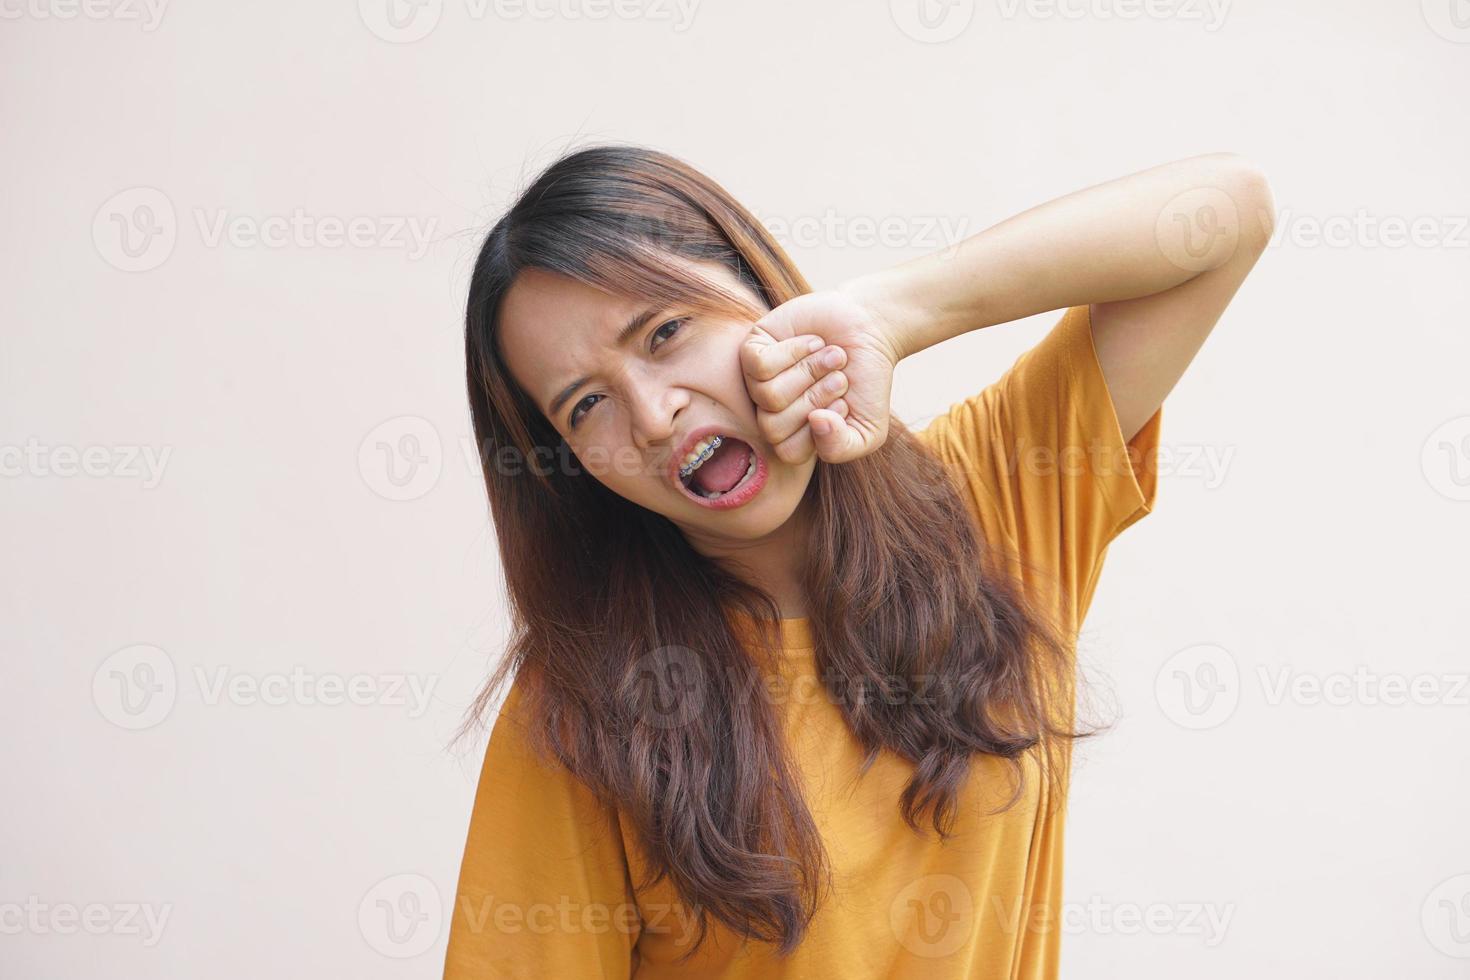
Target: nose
(654, 406)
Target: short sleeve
(543, 886)
(1043, 457)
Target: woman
(794, 686)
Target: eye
(578, 411)
(576, 416)
(672, 323)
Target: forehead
(551, 325)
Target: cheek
(618, 467)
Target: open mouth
(719, 468)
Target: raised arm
(1158, 255)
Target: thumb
(791, 318)
(836, 441)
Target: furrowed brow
(633, 328)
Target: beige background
(249, 581)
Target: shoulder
(1043, 461)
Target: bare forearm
(1132, 236)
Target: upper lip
(692, 440)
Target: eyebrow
(626, 334)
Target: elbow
(1246, 183)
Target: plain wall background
(314, 520)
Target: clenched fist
(820, 371)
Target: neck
(772, 562)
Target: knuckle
(752, 362)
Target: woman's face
(645, 402)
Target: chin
(776, 504)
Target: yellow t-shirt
(545, 889)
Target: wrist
(895, 317)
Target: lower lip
(741, 494)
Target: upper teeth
(702, 451)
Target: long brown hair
(614, 612)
